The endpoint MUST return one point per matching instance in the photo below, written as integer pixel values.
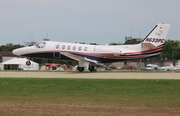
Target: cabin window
(79, 48)
(85, 49)
(57, 46)
(69, 47)
(63, 47)
(74, 47)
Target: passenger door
(57, 53)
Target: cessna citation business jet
(93, 54)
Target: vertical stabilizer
(157, 36)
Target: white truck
(151, 66)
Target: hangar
(19, 64)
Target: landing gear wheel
(28, 63)
(80, 69)
(91, 68)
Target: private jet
(93, 54)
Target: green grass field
(35, 96)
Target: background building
(4, 56)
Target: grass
(86, 94)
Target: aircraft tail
(157, 36)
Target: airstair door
(57, 53)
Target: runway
(88, 75)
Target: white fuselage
(100, 53)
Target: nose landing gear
(28, 63)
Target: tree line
(9, 47)
(171, 50)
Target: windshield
(40, 45)
(37, 44)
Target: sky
(89, 21)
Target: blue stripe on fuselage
(50, 55)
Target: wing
(78, 58)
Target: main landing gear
(80, 69)
(91, 68)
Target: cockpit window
(41, 45)
(37, 45)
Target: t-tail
(157, 36)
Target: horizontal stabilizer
(149, 45)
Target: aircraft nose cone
(21, 51)
(16, 52)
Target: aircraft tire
(28, 63)
(80, 69)
(91, 68)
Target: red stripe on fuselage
(141, 54)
